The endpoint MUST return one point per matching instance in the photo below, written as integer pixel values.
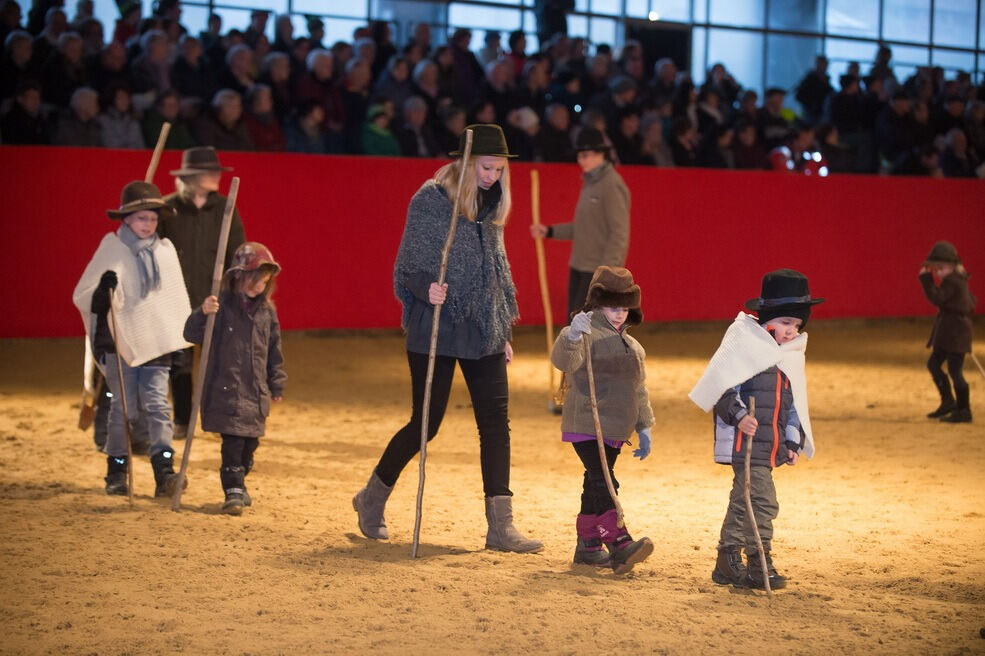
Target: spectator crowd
(62, 81)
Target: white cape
(148, 327)
(746, 349)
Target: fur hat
(614, 287)
(943, 251)
(139, 195)
(783, 293)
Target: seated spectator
(299, 58)
(422, 38)
(621, 93)
(748, 109)
(749, 153)
(521, 128)
(223, 127)
(78, 126)
(517, 56)
(238, 73)
(920, 125)
(451, 126)
(10, 18)
(949, 114)
(414, 54)
(894, 127)
(189, 75)
(836, 154)
(493, 48)
(797, 153)
(17, 65)
(654, 149)
(385, 49)
(318, 84)
(316, 32)
(956, 161)
(109, 66)
(394, 82)
(304, 131)
(364, 48)
(596, 78)
(685, 101)
(93, 39)
(626, 138)
(427, 88)
(261, 122)
(126, 25)
(342, 53)
(355, 102)
(55, 24)
(275, 72)
(118, 124)
(684, 142)
(24, 123)
(920, 161)
(566, 90)
(283, 34)
(554, 139)
(723, 84)
(715, 151)
(532, 90)
(167, 107)
(709, 112)
(415, 136)
(377, 139)
(770, 122)
(482, 112)
(497, 88)
(664, 83)
(464, 67)
(64, 72)
(974, 126)
(814, 89)
(448, 83)
(257, 27)
(150, 72)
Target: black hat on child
(614, 287)
(139, 195)
(591, 139)
(203, 159)
(783, 293)
(487, 139)
(943, 251)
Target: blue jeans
(147, 394)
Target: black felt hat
(139, 195)
(199, 160)
(591, 139)
(487, 139)
(783, 293)
(943, 251)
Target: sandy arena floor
(882, 534)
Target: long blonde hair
(447, 177)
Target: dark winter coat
(246, 366)
(195, 235)
(952, 326)
(779, 426)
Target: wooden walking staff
(162, 138)
(432, 352)
(220, 261)
(750, 514)
(620, 522)
(545, 292)
(123, 400)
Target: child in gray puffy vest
(760, 358)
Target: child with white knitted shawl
(137, 274)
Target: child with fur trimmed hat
(246, 367)
(763, 358)
(137, 274)
(619, 365)
(945, 284)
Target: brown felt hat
(614, 287)
(487, 139)
(203, 159)
(139, 195)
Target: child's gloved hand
(644, 449)
(581, 324)
(108, 280)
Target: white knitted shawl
(148, 327)
(746, 349)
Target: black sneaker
(234, 504)
(116, 483)
(754, 576)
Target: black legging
(595, 497)
(486, 380)
(238, 451)
(955, 367)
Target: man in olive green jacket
(600, 229)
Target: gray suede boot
(369, 503)
(502, 535)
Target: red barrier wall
(700, 239)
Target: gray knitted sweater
(480, 308)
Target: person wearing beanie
(599, 231)
(945, 284)
(134, 281)
(246, 367)
(475, 327)
(611, 307)
(762, 358)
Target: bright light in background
(654, 16)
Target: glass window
(909, 56)
(749, 13)
(853, 17)
(609, 7)
(954, 23)
(340, 29)
(275, 6)
(353, 8)
(804, 15)
(577, 26)
(699, 67)
(742, 53)
(463, 15)
(953, 59)
(233, 18)
(906, 20)
(581, 5)
(672, 10)
(845, 50)
(700, 11)
(602, 30)
(196, 19)
(637, 8)
(788, 59)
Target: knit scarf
(143, 250)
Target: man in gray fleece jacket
(600, 229)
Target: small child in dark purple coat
(246, 367)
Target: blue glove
(644, 449)
(580, 324)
